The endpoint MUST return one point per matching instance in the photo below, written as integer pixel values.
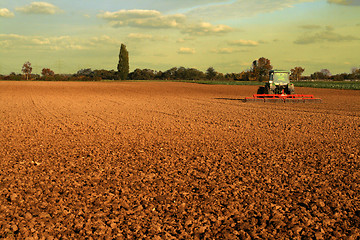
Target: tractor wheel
(289, 90)
(261, 90)
(267, 90)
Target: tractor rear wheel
(267, 90)
(289, 90)
(261, 90)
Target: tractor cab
(279, 77)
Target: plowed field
(176, 161)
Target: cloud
(142, 19)
(185, 50)
(227, 50)
(140, 36)
(182, 40)
(13, 41)
(310, 27)
(155, 19)
(241, 42)
(104, 40)
(345, 2)
(148, 37)
(174, 5)
(205, 28)
(240, 8)
(4, 12)
(328, 35)
(39, 8)
(123, 15)
(4, 44)
(11, 37)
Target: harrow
(292, 98)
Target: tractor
(279, 89)
(279, 83)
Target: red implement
(282, 98)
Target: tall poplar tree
(123, 66)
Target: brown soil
(176, 161)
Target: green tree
(211, 73)
(47, 72)
(355, 73)
(27, 69)
(254, 71)
(326, 73)
(296, 73)
(194, 74)
(169, 74)
(123, 66)
(261, 68)
(142, 74)
(318, 76)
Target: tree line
(259, 71)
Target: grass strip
(348, 85)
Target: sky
(69, 35)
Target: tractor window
(281, 78)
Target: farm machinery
(279, 89)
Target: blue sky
(228, 35)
